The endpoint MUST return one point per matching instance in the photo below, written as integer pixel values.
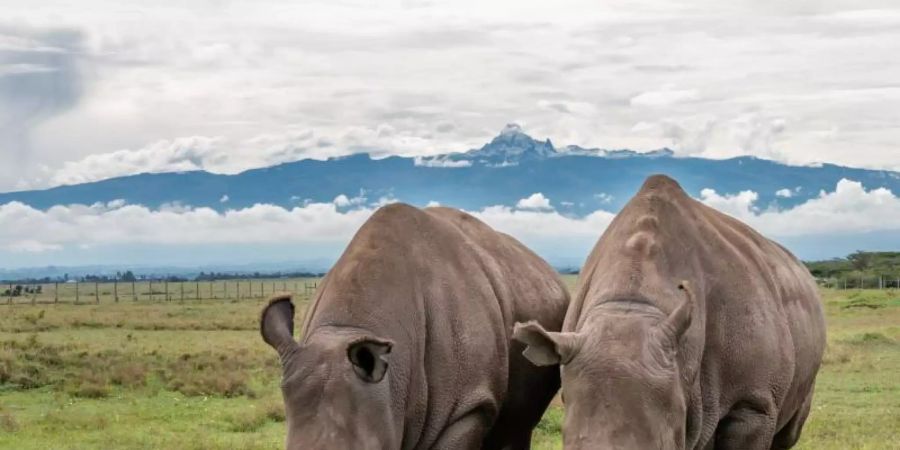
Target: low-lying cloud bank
(219, 154)
(848, 209)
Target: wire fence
(89, 292)
(883, 282)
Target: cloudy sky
(94, 89)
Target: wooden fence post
(151, 290)
(197, 296)
(9, 295)
(76, 292)
(56, 292)
(116, 289)
(167, 289)
(97, 292)
(133, 292)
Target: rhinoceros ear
(546, 348)
(277, 326)
(367, 356)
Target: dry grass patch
(257, 416)
(8, 423)
(207, 373)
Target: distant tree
(860, 260)
(128, 276)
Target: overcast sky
(94, 89)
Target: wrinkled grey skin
(689, 331)
(408, 343)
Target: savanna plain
(194, 374)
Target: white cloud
(28, 229)
(341, 201)
(663, 98)
(432, 203)
(535, 201)
(784, 193)
(384, 200)
(25, 229)
(441, 162)
(32, 246)
(222, 155)
(533, 226)
(849, 209)
(742, 203)
(293, 81)
(224, 199)
(179, 155)
(603, 197)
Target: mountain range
(512, 166)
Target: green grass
(196, 375)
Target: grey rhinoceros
(408, 343)
(689, 330)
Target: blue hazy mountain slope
(511, 167)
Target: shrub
(90, 390)
(248, 422)
(209, 374)
(836, 355)
(870, 338)
(274, 411)
(90, 384)
(129, 374)
(226, 384)
(8, 423)
(254, 418)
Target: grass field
(195, 374)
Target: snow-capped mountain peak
(510, 147)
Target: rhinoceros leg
(788, 436)
(464, 434)
(746, 428)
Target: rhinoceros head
(336, 393)
(621, 381)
